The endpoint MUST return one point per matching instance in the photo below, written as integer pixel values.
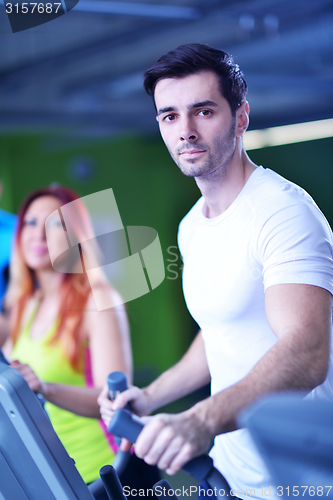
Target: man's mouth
(191, 153)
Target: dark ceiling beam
(137, 9)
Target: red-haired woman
(59, 340)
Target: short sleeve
(295, 245)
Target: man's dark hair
(193, 58)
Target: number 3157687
(30, 8)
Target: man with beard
(257, 277)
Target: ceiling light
(288, 134)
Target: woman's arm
(109, 340)
(79, 400)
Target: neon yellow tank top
(85, 439)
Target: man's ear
(242, 119)
(156, 118)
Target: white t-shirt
(272, 233)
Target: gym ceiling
(84, 70)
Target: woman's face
(33, 236)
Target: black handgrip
(199, 467)
(117, 382)
(111, 483)
(163, 489)
(126, 425)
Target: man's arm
(189, 374)
(300, 317)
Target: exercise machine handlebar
(129, 426)
(117, 382)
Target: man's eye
(204, 112)
(169, 118)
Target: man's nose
(188, 131)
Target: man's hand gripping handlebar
(124, 424)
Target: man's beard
(217, 160)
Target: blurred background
(73, 111)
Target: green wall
(150, 191)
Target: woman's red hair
(75, 287)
